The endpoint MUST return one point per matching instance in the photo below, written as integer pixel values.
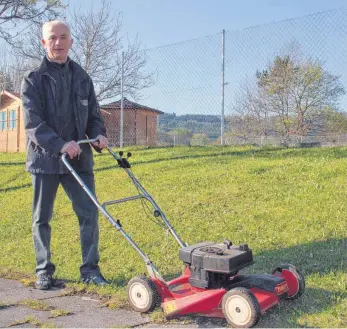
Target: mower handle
(142, 193)
(81, 141)
(84, 141)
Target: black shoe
(97, 279)
(44, 281)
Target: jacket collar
(77, 71)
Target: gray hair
(52, 23)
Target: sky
(162, 22)
(183, 43)
(183, 38)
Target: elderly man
(60, 108)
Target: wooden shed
(12, 134)
(140, 123)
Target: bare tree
(97, 47)
(6, 81)
(29, 46)
(13, 66)
(298, 89)
(274, 88)
(17, 15)
(289, 96)
(18, 68)
(252, 114)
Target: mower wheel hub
(239, 310)
(139, 295)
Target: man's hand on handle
(102, 142)
(72, 149)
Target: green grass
(57, 313)
(35, 304)
(34, 321)
(4, 305)
(289, 205)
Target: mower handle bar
(81, 141)
(85, 141)
(102, 207)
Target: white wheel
(139, 295)
(142, 294)
(240, 308)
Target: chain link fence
(282, 83)
(278, 83)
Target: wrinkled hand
(102, 142)
(72, 149)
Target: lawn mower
(211, 284)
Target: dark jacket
(43, 127)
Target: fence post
(223, 85)
(121, 139)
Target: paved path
(84, 312)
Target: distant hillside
(196, 123)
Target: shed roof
(13, 95)
(128, 105)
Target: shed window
(13, 119)
(3, 120)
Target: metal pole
(122, 104)
(223, 85)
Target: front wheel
(241, 309)
(142, 294)
(295, 280)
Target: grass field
(289, 205)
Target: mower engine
(212, 264)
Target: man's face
(57, 42)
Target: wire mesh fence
(275, 83)
(279, 83)
(287, 80)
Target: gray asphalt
(84, 312)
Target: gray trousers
(45, 189)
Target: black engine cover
(217, 257)
(206, 258)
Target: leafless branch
(25, 13)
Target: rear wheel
(295, 280)
(142, 294)
(241, 309)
